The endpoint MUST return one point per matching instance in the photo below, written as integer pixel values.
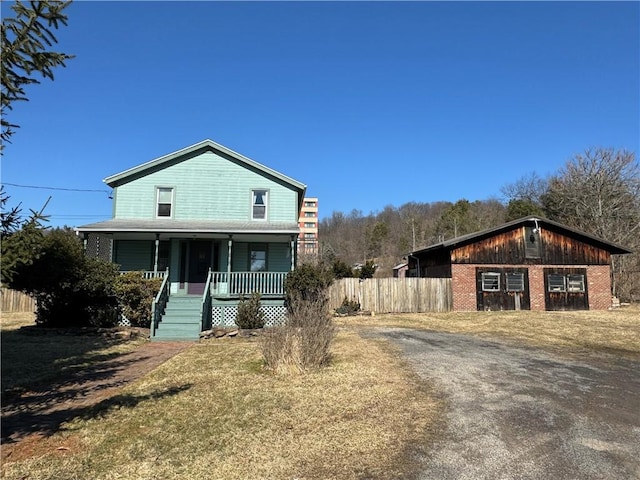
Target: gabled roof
(205, 145)
(528, 221)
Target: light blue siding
(278, 257)
(133, 254)
(240, 257)
(206, 187)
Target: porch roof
(131, 225)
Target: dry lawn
(213, 412)
(30, 360)
(616, 331)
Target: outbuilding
(528, 264)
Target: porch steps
(181, 319)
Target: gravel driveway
(518, 412)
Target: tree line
(597, 191)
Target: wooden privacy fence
(394, 295)
(13, 301)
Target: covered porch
(235, 258)
(206, 267)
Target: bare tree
(598, 192)
(529, 188)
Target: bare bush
(304, 342)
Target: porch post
(155, 258)
(293, 252)
(229, 243)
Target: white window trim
(520, 282)
(173, 201)
(267, 194)
(493, 275)
(571, 283)
(557, 290)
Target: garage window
(556, 283)
(491, 282)
(515, 282)
(575, 283)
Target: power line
(57, 188)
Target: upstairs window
(309, 225)
(164, 202)
(531, 242)
(309, 214)
(259, 204)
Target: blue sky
(368, 103)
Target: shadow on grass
(49, 377)
(25, 421)
(33, 357)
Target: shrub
(71, 290)
(304, 341)
(368, 269)
(348, 307)
(341, 269)
(250, 313)
(308, 282)
(135, 295)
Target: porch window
(556, 282)
(258, 258)
(259, 204)
(491, 282)
(515, 282)
(164, 202)
(575, 283)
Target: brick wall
(536, 287)
(463, 283)
(599, 287)
(464, 286)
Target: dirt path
(520, 412)
(39, 413)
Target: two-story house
(215, 224)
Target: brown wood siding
(509, 248)
(566, 300)
(502, 299)
(558, 249)
(437, 265)
(506, 247)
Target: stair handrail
(206, 302)
(159, 303)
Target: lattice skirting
(225, 315)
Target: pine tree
(26, 39)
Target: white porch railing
(159, 303)
(147, 274)
(244, 283)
